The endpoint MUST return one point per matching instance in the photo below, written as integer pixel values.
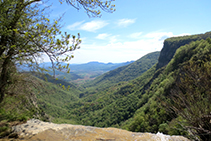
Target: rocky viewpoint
(36, 130)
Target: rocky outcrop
(172, 44)
(37, 130)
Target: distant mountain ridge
(80, 73)
(127, 72)
(86, 66)
(91, 66)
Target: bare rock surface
(36, 130)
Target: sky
(136, 28)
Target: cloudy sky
(136, 28)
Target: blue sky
(136, 28)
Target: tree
(26, 34)
(92, 7)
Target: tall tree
(26, 34)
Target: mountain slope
(128, 72)
(112, 106)
(52, 98)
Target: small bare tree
(190, 98)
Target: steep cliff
(172, 44)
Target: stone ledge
(38, 130)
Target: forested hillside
(52, 96)
(177, 97)
(152, 101)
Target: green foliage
(53, 99)
(49, 78)
(26, 34)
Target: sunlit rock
(38, 130)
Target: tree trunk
(4, 78)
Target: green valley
(167, 91)
(145, 69)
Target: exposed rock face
(172, 44)
(37, 130)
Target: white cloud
(113, 39)
(91, 26)
(158, 35)
(116, 51)
(108, 37)
(102, 36)
(125, 22)
(161, 36)
(75, 26)
(135, 35)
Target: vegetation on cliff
(178, 95)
